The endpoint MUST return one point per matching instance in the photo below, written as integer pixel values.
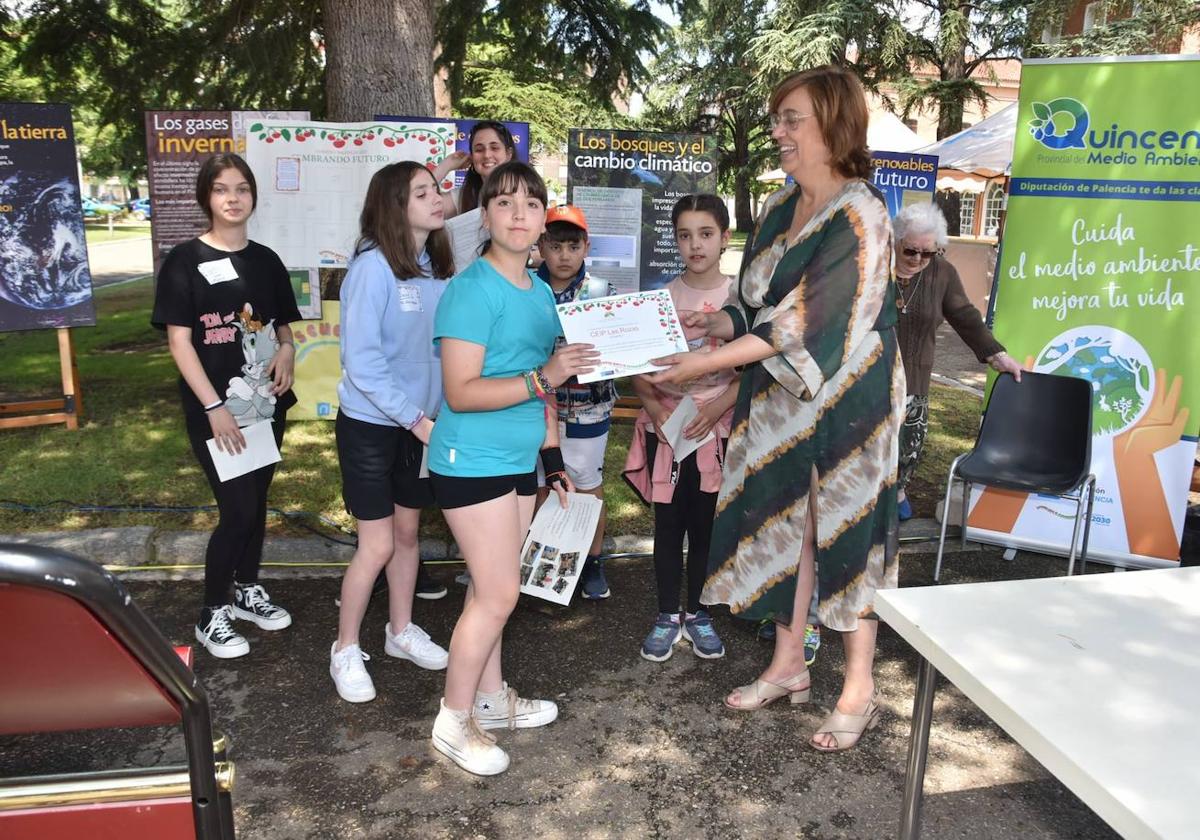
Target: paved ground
(640, 749)
(122, 259)
(954, 363)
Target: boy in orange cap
(584, 411)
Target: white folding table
(1096, 676)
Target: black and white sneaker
(215, 631)
(427, 587)
(252, 603)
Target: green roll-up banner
(1098, 278)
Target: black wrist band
(552, 462)
(214, 406)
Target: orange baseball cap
(567, 213)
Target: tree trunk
(950, 103)
(379, 58)
(951, 205)
(743, 215)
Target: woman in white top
(490, 144)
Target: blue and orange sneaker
(812, 643)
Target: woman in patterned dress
(809, 491)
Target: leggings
(690, 511)
(912, 437)
(235, 547)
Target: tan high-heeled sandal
(846, 729)
(797, 689)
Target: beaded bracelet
(543, 381)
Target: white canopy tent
(886, 133)
(984, 149)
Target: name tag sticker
(410, 298)
(218, 271)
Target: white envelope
(683, 414)
(466, 236)
(260, 451)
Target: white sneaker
(252, 603)
(350, 675)
(414, 644)
(457, 736)
(218, 636)
(506, 710)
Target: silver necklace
(901, 302)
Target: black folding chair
(1035, 437)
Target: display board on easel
(45, 280)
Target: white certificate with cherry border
(627, 330)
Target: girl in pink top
(684, 494)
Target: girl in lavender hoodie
(390, 389)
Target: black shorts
(455, 491)
(380, 465)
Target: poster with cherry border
(312, 178)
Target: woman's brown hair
(384, 224)
(211, 170)
(840, 108)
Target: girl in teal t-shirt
(496, 327)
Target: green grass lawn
(131, 449)
(98, 232)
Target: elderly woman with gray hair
(929, 291)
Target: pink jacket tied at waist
(653, 481)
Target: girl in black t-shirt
(226, 303)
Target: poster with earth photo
(45, 281)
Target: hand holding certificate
(626, 330)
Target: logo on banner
(1060, 124)
(1064, 123)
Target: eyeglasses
(790, 119)
(917, 252)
